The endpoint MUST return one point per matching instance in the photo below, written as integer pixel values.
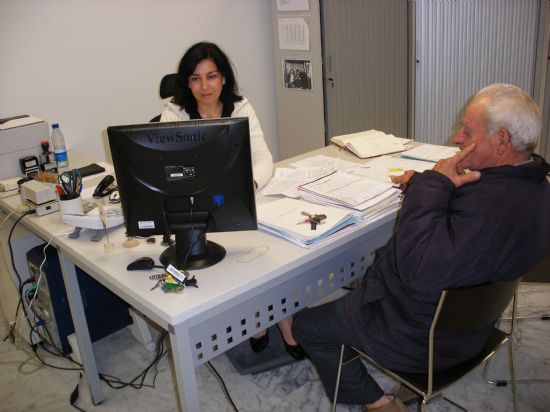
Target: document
(370, 143)
(383, 167)
(292, 220)
(285, 181)
(344, 189)
(430, 152)
(292, 5)
(293, 34)
(322, 160)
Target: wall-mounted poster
(292, 5)
(293, 34)
(297, 74)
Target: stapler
(104, 187)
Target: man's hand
(452, 168)
(402, 180)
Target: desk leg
(184, 366)
(81, 328)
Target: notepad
(370, 143)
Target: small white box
(37, 192)
(8, 185)
(20, 137)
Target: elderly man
(480, 216)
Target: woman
(207, 88)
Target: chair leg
(511, 352)
(513, 380)
(338, 378)
(422, 405)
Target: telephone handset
(104, 187)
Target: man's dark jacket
(494, 229)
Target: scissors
(71, 183)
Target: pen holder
(72, 206)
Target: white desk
(236, 298)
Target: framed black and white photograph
(297, 74)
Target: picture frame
(297, 74)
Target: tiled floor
(27, 386)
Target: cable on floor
(116, 383)
(222, 384)
(74, 395)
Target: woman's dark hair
(193, 56)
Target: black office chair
(167, 89)
(458, 310)
(539, 274)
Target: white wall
(93, 64)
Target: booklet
(370, 143)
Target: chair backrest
(168, 85)
(468, 309)
(167, 89)
(472, 308)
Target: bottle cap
(55, 126)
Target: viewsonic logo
(177, 137)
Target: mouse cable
(222, 384)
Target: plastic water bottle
(59, 148)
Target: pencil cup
(71, 206)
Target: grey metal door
(365, 69)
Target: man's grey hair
(509, 107)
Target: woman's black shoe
(295, 351)
(259, 344)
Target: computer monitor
(185, 178)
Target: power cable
(222, 384)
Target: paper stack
(347, 190)
(292, 219)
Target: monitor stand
(192, 250)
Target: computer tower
(105, 312)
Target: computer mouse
(114, 197)
(143, 263)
